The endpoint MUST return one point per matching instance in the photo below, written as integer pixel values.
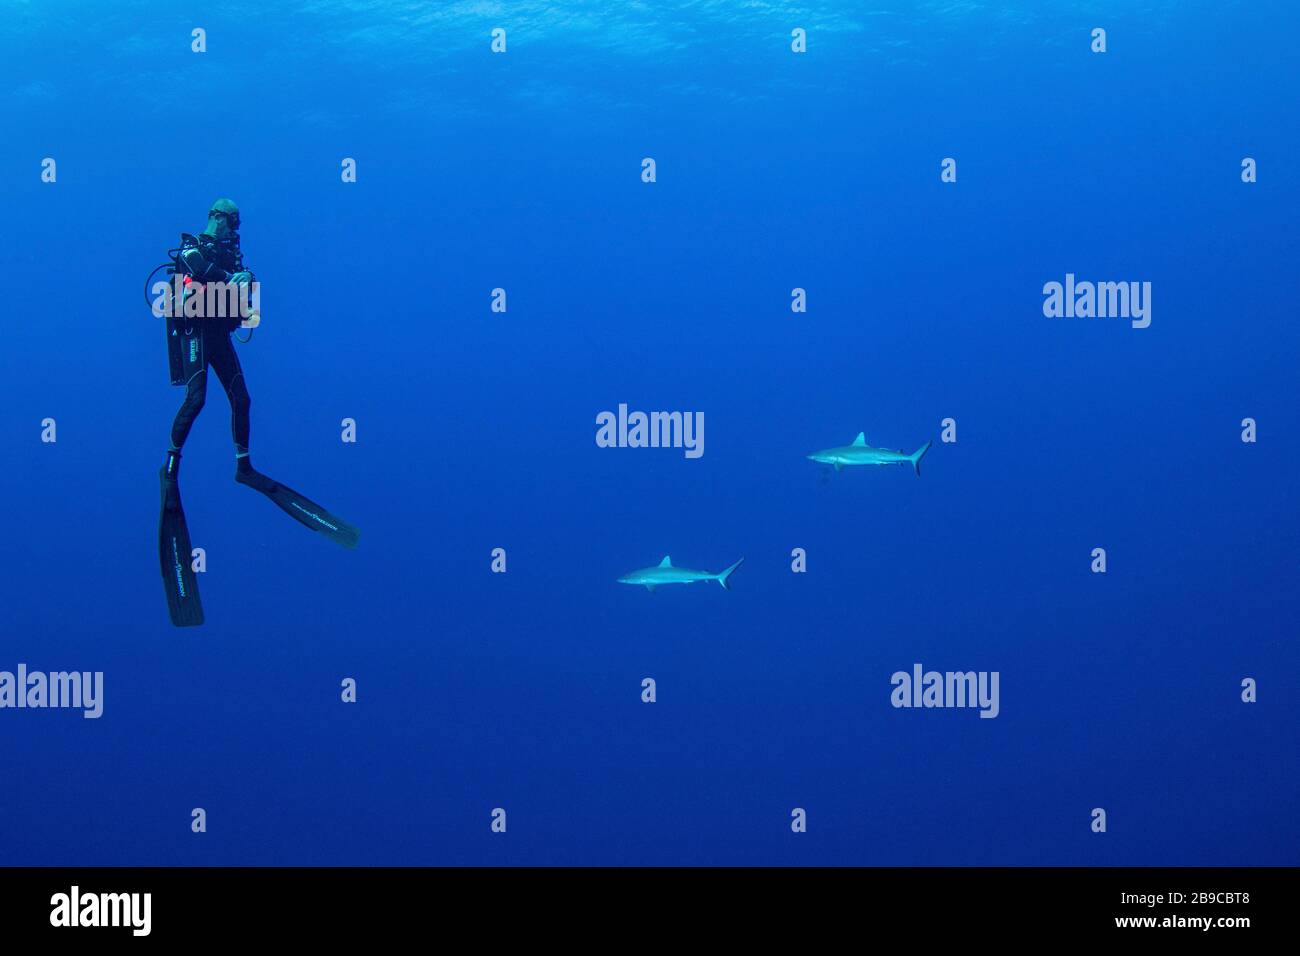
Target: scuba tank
(184, 339)
(194, 260)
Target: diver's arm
(208, 263)
(201, 268)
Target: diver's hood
(231, 212)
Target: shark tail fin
(722, 576)
(917, 455)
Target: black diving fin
(299, 507)
(175, 552)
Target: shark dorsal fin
(667, 562)
(861, 440)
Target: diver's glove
(241, 278)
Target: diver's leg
(231, 375)
(196, 390)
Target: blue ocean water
(775, 170)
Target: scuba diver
(213, 261)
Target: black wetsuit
(218, 351)
(211, 262)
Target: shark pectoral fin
(838, 466)
(650, 588)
